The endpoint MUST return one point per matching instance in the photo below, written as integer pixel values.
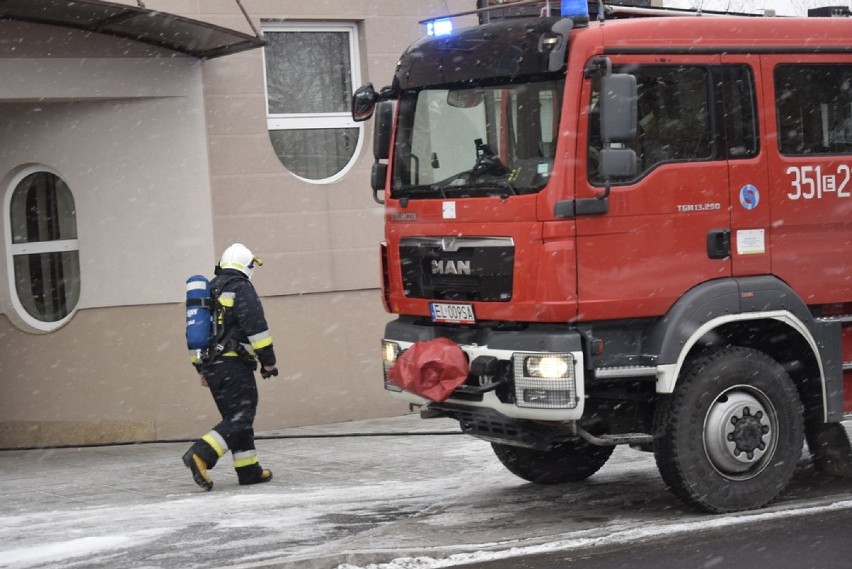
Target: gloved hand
(267, 373)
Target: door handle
(719, 243)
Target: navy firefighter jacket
(243, 310)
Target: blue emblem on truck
(749, 197)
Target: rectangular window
(674, 116)
(739, 94)
(311, 69)
(814, 105)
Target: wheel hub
(738, 434)
(748, 432)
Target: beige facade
(169, 160)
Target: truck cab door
(745, 149)
(651, 245)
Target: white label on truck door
(449, 210)
(751, 242)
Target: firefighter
(243, 340)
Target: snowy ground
(383, 502)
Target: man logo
(450, 267)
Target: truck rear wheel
(567, 462)
(730, 435)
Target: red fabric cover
(432, 369)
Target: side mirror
(465, 98)
(364, 102)
(377, 180)
(617, 163)
(619, 107)
(383, 130)
(381, 147)
(619, 124)
(619, 102)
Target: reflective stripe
(226, 299)
(216, 442)
(233, 354)
(233, 265)
(262, 344)
(193, 356)
(246, 458)
(196, 285)
(260, 340)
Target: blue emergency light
(440, 27)
(576, 10)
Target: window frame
(718, 74)
(711, 98)
(21, 316)
(317, 121)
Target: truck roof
(512, 48)
(711, 34)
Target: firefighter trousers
(234, 389)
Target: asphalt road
(815, 541)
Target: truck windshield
(476, 141)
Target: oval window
(43, 252)
(310, 70)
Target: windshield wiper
(447, 182)
(510, 186)
(420, 192)
(462, 184)
(490, 186)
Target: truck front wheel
(730, 435)
(566, 462)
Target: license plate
(454, 313)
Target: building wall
(124, 126)
(121, 374)
(314, 237)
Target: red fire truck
(637, 231)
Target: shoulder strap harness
(223, 340)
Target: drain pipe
(248, 19)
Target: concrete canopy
(184, 35)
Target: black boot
(199, 470)
(264, 476)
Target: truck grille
(458, 268)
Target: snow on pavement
(383, 502)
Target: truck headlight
(547, 367)
(390, 353)
(545, 381)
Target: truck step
(626, 371)
(838, 318)
(618, 439)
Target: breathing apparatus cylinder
(198, 313)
